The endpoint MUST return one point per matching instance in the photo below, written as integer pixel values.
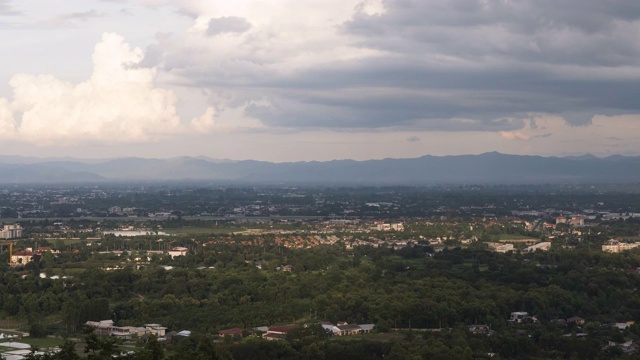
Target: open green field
(382, 337)
(514, 237)
(38, 342)
(202, 231)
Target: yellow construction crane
(10, 251)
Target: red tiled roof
(282, 329)
(232, 332)
(23, 253)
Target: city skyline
(285, 80)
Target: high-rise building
(12, 231)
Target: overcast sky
(291, 80)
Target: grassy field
(202, 231)
(39, 343)
(382, 337)
(13, 324)
(514, 237)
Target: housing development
(167, 265)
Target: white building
(504, 248)
(388, 227)
(11, 231)
(518, 317)
(22, 257)
(178, 251)
(614, 246)
(544, 246)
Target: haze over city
(290, 80)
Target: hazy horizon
(285, 80)
(207, 158)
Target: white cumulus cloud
(513, 135)
(204, 123)
(118, 103)
(7, 124)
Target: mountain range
(488, 168)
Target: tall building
(11, 231)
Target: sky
(317, 80)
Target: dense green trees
(393, 289)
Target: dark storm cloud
(459, 65)
(365, 109)
(382, 95)
(227, 24)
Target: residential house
(107, 328)
(155, 329)
(103, 327)
(480, 329)
(278, 332)
(44, 249)
(23, 256)
(178, 251)
(330, 328)
(344, 328)
(519, 317)
(576, 320)
(577, 220)
(234, 332)
(367, 328)
(286, 268)
(349, 329)
(504, 248)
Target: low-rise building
(517, 317)
(155, 329)
(107, 328)
(278, 332)
(22, 256)
(235, 332)
(543, 246)
(380, 226)
(504, 248)
(349, 329)
(178, 251)
(615, 246)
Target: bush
(37, 330)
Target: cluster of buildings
(615, 246)
(500, 247)
(107, 328)
(344, 329)
(577, 220)
(518, 317)
(26, 255)
(296, 241)
(506, 247)
(278, 332)
(12, 231)
(382, 226)
(543, 246)
(341, 329)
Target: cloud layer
(425, 65)
(400, 76)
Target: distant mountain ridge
(488, 168)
